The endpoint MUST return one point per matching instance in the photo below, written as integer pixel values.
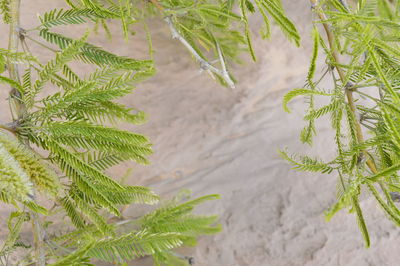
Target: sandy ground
(211, 139)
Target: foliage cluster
(362, 58)
(76, 127)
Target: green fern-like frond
(17, 57)
(26, 81)
(312, 68)
(300, 92)
(73, 166)
(72, 212)
(382, 76)
(306, 135)
(133, 194)
(92, 214)
(103, 160)
(70, 103)
(70, 74)
(112, 112)
(76, 258)
(244, 4)
(134, 245)
(92, 54)
(14, 230)
(392, 214)
(100, 9)
(84, 135)
(53, 67)
(71, 127)
(361, 221)
(35, 207)
(5, 10)
(190, 224)
(176, 217)
(334, 106)
(305, 163)
(170, 258)
(385, 173)
(87, 179)
(276, 11)
(58, 17)
(351, 191)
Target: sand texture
(212, 139)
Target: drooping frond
(133, 194)
(306, 135)
(14, 231)
(92, 54)
(300, 92)
(170, 258)
(112, 112)
(361, 221)
(92, 214)
(176, 217)
(58, 17)
(244, 4)
(385, 173)
(367, 135)
(275, 10)
(87, 136)
(72, 212)
(16, 57)
(312, 68)
(305, 163)
(332, 107)
(100, 9)
(76, 258)
(391, 212)
(134, 245)
(345, 200)
(73, 166)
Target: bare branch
(203, 63)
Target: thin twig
(9, 128)
(41, 44)
(224, 74)
(203, 63)
(15, 35)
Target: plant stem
(223, 73)
(19, 110)
(41, 44)
(17, 107)
(342, 76)
(8, 128)
(203, 63)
